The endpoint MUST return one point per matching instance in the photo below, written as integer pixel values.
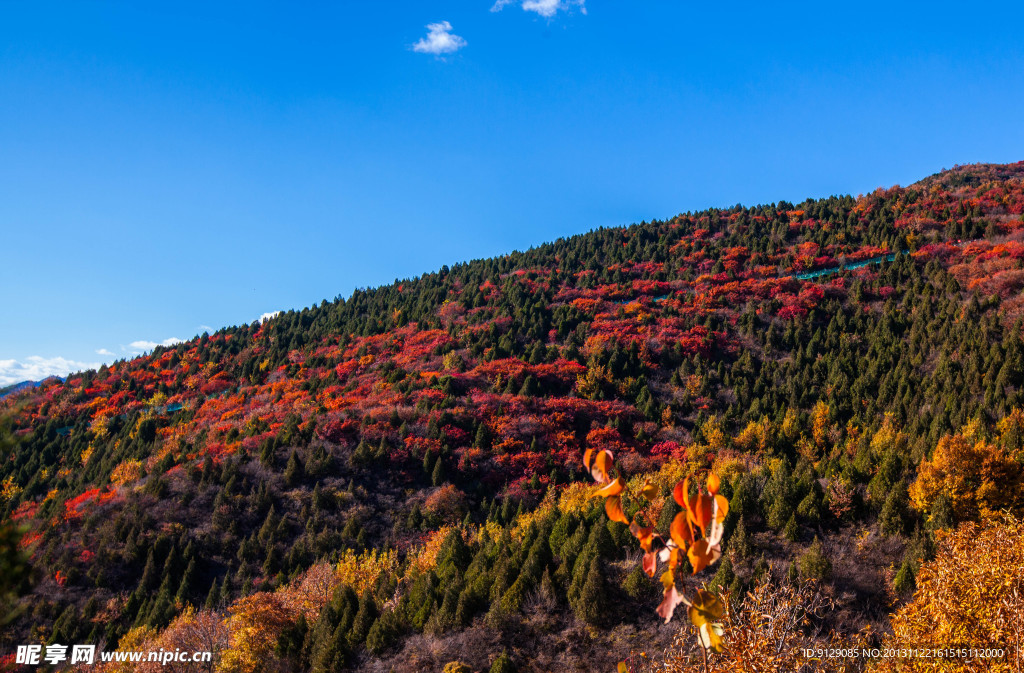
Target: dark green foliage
(738, 545)
(212, 596)
(365, 616)
(437, 477)
(941, 515)
(791, 531)
(14, 570)
(893, 517)
(813, 563)
(904, 583)
(778, 497)
(290, 642)
(565, 525)
(592, 604)
(810, 508)
(383, 634)
(188, 579)
(639, 586)
(724, 577)
(293, 471)
(503, 664)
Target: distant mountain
(394, 481)
(23, 385)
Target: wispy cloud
(36, 368)
(546, 8)
(264, 317)
(440, 40)
(143, 345)
(103, 351)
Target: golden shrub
(126, 472)
(360, 571)
(253, 628)
(970, 596)
(977, 477)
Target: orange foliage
(253, 627)
(976, 476)
(312, 590)
(697, 531)
(970, 596)
(191, 631)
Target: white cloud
(206, 328)
(103, 351)
(546, 8)
(36, 368)
(143, 345)
(439, 40)
(264, 317)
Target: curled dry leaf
(681, 493)
(644, 534)
(612, 489)
(710, 636)
(613, 508)
(705, 612)
(699, 510)
(688, 531)
(702, 554)
(722, 506)
(650, 563)
(669, 602)
(588, 458)
(705, 607)
(601, 467)
(680, 531)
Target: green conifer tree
(364, 619)
(503, 664)
(592, 604)
(294, 472)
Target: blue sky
(174, 167)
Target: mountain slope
(419, 444)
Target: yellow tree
(971, 595)
(253, 628)
(975, 476)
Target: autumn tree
(973, 590)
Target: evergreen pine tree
(503, 664)
(293, 472)
(904, 582)
(592, 604)
(437, 477)
(364, 619)
(791, 531)
(638, 585)
(891, 519)
(211, 596)
(187, 580)
(149, 577)
(383, 633)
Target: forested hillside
(394, 480)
